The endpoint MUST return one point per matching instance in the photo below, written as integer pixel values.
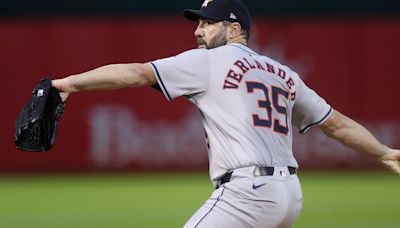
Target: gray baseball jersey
(248, 103)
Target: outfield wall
(352, 63)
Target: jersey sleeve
(186, 74)
(309, 109)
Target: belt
(258, 171)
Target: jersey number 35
(266, 104)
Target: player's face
(210, 34)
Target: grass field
(340, 199)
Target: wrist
(70, 82)
(389, 154)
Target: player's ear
(234, 30)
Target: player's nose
(198, 32)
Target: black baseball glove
(36, 125)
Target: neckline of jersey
(243, 47)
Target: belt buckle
(263, 171)
(257, 171)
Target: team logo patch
(205, 3)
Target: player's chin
(202, 46)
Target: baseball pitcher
(250, 106)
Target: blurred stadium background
(132, 159)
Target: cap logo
(205, 3)
(232, 16)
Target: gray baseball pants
(252, 201)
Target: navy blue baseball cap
(222, 10)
